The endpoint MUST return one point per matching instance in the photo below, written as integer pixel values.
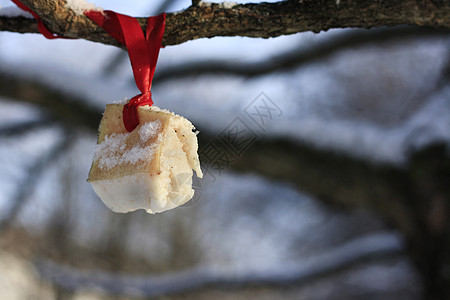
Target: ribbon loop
(143, 50)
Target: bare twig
(252, 20)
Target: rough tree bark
(252, 20)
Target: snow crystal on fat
(149, 130)
(112, 151)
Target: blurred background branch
(299, 55)
(25, 188)
(24, 127)
(348, 255)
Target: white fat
(165, 183)
(140, 191)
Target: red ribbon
(142, 49)
(41, 26)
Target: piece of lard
(149, 168)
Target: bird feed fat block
(149, 168)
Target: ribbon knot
(130, 115)
(143, 50)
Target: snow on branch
(80, 6)
(251, 20)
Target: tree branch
(18, 24)
(251, 20)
